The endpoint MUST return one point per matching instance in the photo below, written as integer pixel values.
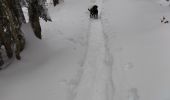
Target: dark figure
(94, 12)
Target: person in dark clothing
(94, 12)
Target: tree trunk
(55, 2)
(14, 25)
(34, 18)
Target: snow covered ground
(140, 46)
(48, 65)
(124, 55)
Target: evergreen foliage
(11, 19)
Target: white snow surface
(123, 55)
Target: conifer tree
(11, 19)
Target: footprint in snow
(133, 94)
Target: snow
(164, 2)
(25, 11)
(49, 64)
(96, 80)
(140, 47)
(123, 55)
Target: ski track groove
(96, 80)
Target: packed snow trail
(96, 80)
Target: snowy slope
(49, 64)
(140, 46)
(124, 55)
(96, 82)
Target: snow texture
(96, 81)
(123, 55)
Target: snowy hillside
(140, 46)
(123, 55)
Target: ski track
(96, 80)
